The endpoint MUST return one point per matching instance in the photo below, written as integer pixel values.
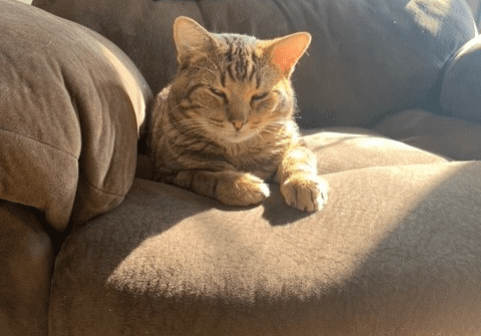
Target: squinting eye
(218, 92)
(259, 96)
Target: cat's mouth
(238, 136)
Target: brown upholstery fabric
(395, 252)
(71, 105)
(26, 264)
(339, 149)
(367, 58)
(453, 138)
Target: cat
(226, 122)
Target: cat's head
(234, 86)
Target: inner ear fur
(286, 51)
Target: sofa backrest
(475, 6)
(367, 58)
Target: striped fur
(226, 123)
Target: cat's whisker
(204, 68)
(192, 128)
(187, 127)
(187, 130)
(216, 65)
(172, 129)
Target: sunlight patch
(430, 16)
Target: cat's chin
(238, 138)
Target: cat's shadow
(277, 212)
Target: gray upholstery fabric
(460, 91)
(367, 58)
(71, 105)
(475, 6)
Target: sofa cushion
(367, 57)
(348, 148)
(453, 138)
(395, 251)
(71, 105)
(386, 254)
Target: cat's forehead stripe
(241, 61)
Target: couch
(91, 245)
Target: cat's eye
(218, 93)
(259, 96)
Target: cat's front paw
(305, 192)
(243, 189)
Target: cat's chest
(259, 159)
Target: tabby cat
(226, 123)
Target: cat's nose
(238, 124)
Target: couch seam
(68, 154)
(102, 190)
(39, 142)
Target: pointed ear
(286, 51)
(189, 37)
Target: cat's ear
(286, 51)
(189, 38)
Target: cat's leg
(299, 182)
(228, 187)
